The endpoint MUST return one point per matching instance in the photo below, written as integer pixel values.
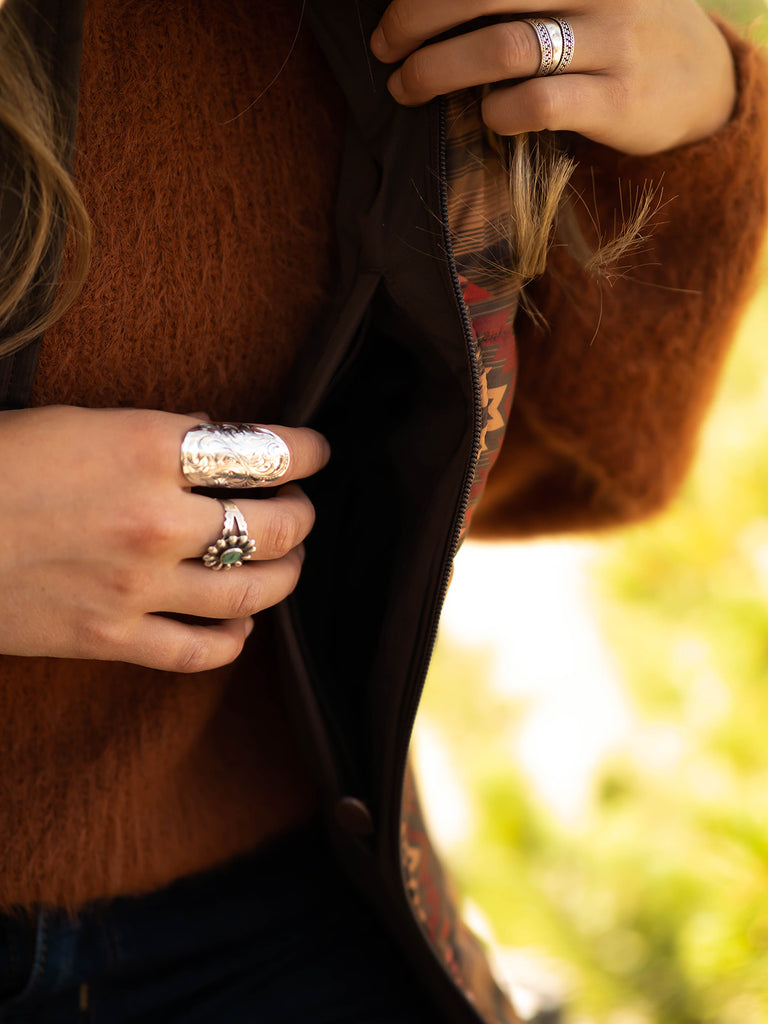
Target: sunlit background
(593, 746)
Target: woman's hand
(100, 535)
(646, 76)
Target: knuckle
(195, 656)
(127, 582)
(98, 636)
(513, 48)
(148, 530)
(200, 653)
(543, 108)
(395, 23)
(145, 439)
(282, 532)
(248, 599)
(416, 74)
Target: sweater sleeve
(611, 394)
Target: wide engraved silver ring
(236, 455)
(556, 45)
(234, 546)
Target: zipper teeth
(463, 504)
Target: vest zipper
(420, 675)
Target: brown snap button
(353, 816)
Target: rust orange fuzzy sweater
(212, 202)
(212, 250)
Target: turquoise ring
(234, 546)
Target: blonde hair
(40, 204)
(543, 206)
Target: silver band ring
(556, 43)
(234, 455)
(568, 46)
(234, 546)
(550, 37)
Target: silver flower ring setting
(234, 546)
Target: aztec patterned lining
(478, 223)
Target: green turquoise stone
(231, 556)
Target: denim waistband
(287, 908)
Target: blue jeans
(276, 938)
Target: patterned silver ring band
(236, 455)
(556, 44)
(568, 46)
(234, 546)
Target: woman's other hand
(646, 76)
(101, 541)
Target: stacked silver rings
(241, 455)
(556, 41)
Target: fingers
(162, 643)
(573, 102)
(120, 537)
(195, 590)
(309, 451)
(645, 77)
(406, 24)
(493, 54)
(145, 445)
(276, 524)
(164, 572)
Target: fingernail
(395, 85)
(378, 42)
(249, 624)
(302, 552)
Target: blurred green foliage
(750, 13)
(658, 902)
